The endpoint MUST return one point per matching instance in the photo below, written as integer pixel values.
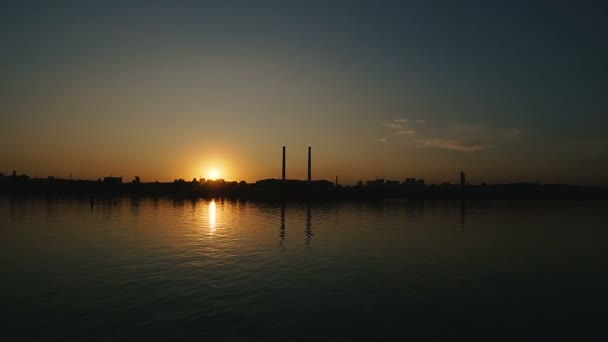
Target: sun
(213, 174)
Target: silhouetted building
(410, 181)
(112, 180)
(462, 179)
(378, 182)
(392, 183)
(292, 188)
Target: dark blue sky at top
(539, 66)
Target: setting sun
(213, 174)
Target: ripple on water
(163, 269)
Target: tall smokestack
(309, 161)
(283, 174)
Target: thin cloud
(382, 140)
(399, 125)
(462, 137)
(393, 125)
(468, 138)
(456, 144)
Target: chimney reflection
(307, 231)
(12, 210)
(308, 226)
(462, 212)
(282, 230)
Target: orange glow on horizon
(213, 174)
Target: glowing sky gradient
(507, 91)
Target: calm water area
(159, 269)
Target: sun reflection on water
(212, 216)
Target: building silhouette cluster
(284, 188)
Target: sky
(506, 91)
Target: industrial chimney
(283, 175)
(309, 161)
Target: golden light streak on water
(212, 216)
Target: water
(159, 269)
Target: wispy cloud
(382, 140)
(401, 126)
(457, 137)
(393, 124)
(462, 145)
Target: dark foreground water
(231, 270)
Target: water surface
(161, 269)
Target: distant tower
(462, 179)
(283, 177)
(309, 161)
(336, 181)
